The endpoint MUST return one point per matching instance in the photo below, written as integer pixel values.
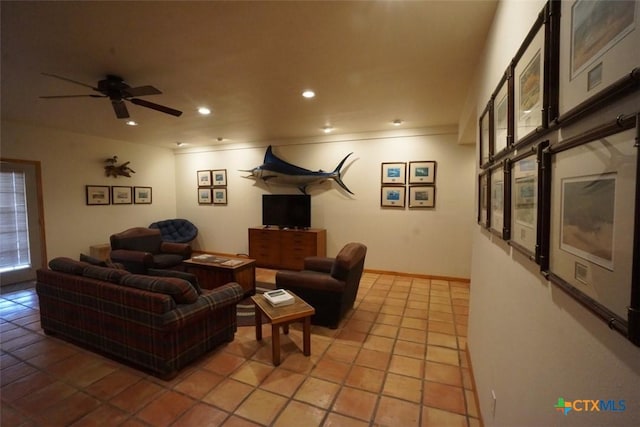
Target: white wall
(529, 342)
(69, 162)
(435, 242)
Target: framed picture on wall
(394, 173)
(592, 222)
(483, 199)
(204, 196)
(423, 172)
(422, 196)
(392, 196)
(502, 116)
(500, 200)
(219, 196)
(204, 178)
(98, 194)
(530, 82)
(598, 46)
(121, 195)
(486, 135)
(219, 177)
(142, 195)
(526, 186)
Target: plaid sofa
(159, 324)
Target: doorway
(22, 240)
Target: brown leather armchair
(330, 285)
(139, 249)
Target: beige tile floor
(397, 359)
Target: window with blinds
(14, 229)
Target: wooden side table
(102, 251)
(299, 311)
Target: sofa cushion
(189, 277)
(166, 260)
(67, 265)
(180, 290)
(106, 274)
(92, 260)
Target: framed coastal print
(502, 106)
(525, 195)
(499, 201)
(593, 199)
(392, 196)
(483, 199)
(394, 173)
(205, 196)
(142, 195)
(598, 46)
(423, 172)
(422, 196)
(121, 195)
(204, 178)
(219, 196)
(219, 177)
(97, 194)
(486, 135)
(529, 83)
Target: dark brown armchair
(330, 285)
(139, 249)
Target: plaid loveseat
(159, 324)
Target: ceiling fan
(115, 88)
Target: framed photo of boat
(121, 195)
(392, 196)
(219, 177)
(499, 194)
(205, 196)
(502, 112)
(422, 196)
(485, 136)
(423, 172)
(98, 194)
(483, 199)
(204, 178)
(219, 196)
(394, 173)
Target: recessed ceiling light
(327, 129)
(131, 123)
(308, 93)
(204, 111)
(219, 139)
(179, 144)
(397, 122)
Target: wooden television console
(285, 249)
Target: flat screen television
(286, 210)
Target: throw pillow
(180, 290)
(67, 265)
(189, 277)
(93, 261)
(104, 273)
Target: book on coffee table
(279, 297)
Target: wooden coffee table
(214, 274)
(299, 311)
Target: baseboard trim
(475, 388)
(366, 270)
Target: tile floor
(398, 359)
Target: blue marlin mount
(278, 171)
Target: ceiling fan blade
(120, 108)
(140, 91)
(69, 80)
(73, 96)
(156, 107)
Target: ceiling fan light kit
(118, 91)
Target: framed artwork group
(421, 177)
(212, 187)
(117, 195)
(568, 200)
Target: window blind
(14, 230)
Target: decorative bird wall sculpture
(115, 170)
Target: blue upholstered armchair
(176, 230)
(140, 249)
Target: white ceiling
(368, 62)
